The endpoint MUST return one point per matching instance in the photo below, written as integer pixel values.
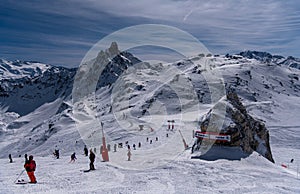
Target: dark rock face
(245, 131)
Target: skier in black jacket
(92, 160)
(86, 151)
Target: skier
(115, 148)
(128, 146)
(133, 146)
(92, 160)
(10, 158)
(140, 145)
(73, 157)
(108, 147)
(151, 141)
(86, 151)
(173, 124)
(129, 155)
(30, 168)
(156, 139)
(120, 145)
(167, 135)
(26, 158)
(95, 150)
(56, 153)
(147, 139)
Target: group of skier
(30, 164)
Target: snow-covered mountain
(26, 86)
(268, 58)
(38, 115)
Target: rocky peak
(113, 49)
(248, 133)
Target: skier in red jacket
(30, 168)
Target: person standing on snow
(129, 155)
(10, 158)
(92, 160)
(115, 148)
(73, 157)
(56, 153)
(30, 168)
(86, 151)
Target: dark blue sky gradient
(61, 32)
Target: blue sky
(61, 32)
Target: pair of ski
(86, 170)
(23, 182)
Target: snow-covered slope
(130, 95)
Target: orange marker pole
(184, 143)
(104, 150)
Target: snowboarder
(133, 146)
(30, 168)
(86, 151)
(140, 145)
(129, 155)
(73, 157)
(92, 160)
(10, 158)
(115, 148)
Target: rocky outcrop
(248, 133)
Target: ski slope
(268, 91)
(183, 175)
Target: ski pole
(19, 175)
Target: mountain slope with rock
(245, 132)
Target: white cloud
(224, 26)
